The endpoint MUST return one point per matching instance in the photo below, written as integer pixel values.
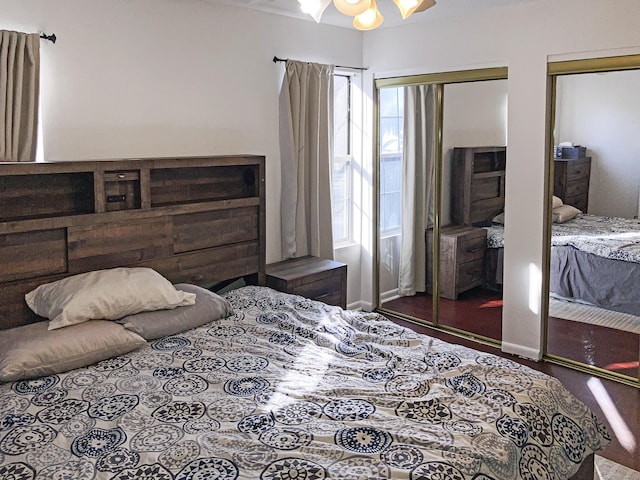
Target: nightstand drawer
(329, 287)
(312, 277)
(472, 248)
(470, 274)
(462, 252)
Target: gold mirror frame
(439, 80)
(555, 69)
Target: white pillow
(105, 295)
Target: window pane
(393, 174)
(340, 199)
(391, 132)
(341, 115)
(390, 211)
(389, 102)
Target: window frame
(348, 164)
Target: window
(341, 183)
(391, 137)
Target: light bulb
(369, 19)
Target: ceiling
(443, 9)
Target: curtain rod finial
(52, 38)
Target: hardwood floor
(477, 311)
(618, 405)
(607, 348)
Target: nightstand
(462, 251)
(312, 277)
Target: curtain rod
(276, 59)
(52, 38)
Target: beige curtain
(19, 90)
(417, 186)
(306, 149)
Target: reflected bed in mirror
(595, 260)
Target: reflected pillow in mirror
(556, 202)
(564, 213)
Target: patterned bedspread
(286, 389)
(610, 237)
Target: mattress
(289, 388)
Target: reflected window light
(535, 284)
(620, 429)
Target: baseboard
(522, 351)
(388, 296)
(364, 306)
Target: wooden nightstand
(312, 277)
(462, 251)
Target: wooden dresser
(571, 181)
(462, 252)
(312, 277)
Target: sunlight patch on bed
(311, 365)
(618, 425)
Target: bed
(594, 260)
(261, 385)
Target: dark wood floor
(618, 405)
(479, 312)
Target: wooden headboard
(477, 184)
(197, 220)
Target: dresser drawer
(578, 171)
(579, 187)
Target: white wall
(601, 111)
(136, 78)
(522, 37)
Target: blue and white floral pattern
(291, 389)
(609, 237)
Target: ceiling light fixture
(365, 13)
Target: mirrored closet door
(472, 207)
(424, 122)
(594, 274)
